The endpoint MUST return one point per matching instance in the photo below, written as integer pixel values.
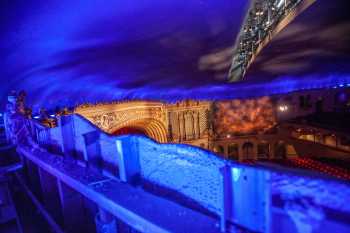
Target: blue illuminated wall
(265, 200)
(262, 199)
(191, 172)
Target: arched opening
(280, 150)
(129, 130)
(219, 149)
(330, 140)
(233, 151)
(263, 150)
(248, 150)
(290, 151)
(148, 127)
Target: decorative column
(197, 125)
(272, 150)
(194, 136)
(255, 150)
(184, 136)
(170, 127)
(180, 126)
(226, 150)
(188, 125)
(240, 152)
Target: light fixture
(280, 3)
(275, 11)
(283, 108)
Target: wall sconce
(283, 108)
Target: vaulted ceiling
(65, 52)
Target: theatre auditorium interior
(184, 116)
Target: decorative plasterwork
(111, 120)
(186, 120)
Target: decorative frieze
(183, 121)
(111, 120)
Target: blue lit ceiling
(65, 52)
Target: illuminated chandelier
(264, 20)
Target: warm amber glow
(244, 116)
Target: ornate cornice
(110, 120)
(152, 117)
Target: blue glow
(116, 50)
(261, 199)
(236, 174)
(65, 52)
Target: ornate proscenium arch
(181, 122)
(152, 127)
(265, 19)
(149, 117)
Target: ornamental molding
(111, 120)
(151, 116)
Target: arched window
(280, 150)
(233, 151)
(219, 149)
(248, 150)
(263, 150)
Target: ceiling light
(280, 3)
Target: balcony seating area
(315, 165)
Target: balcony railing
(155, 187)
